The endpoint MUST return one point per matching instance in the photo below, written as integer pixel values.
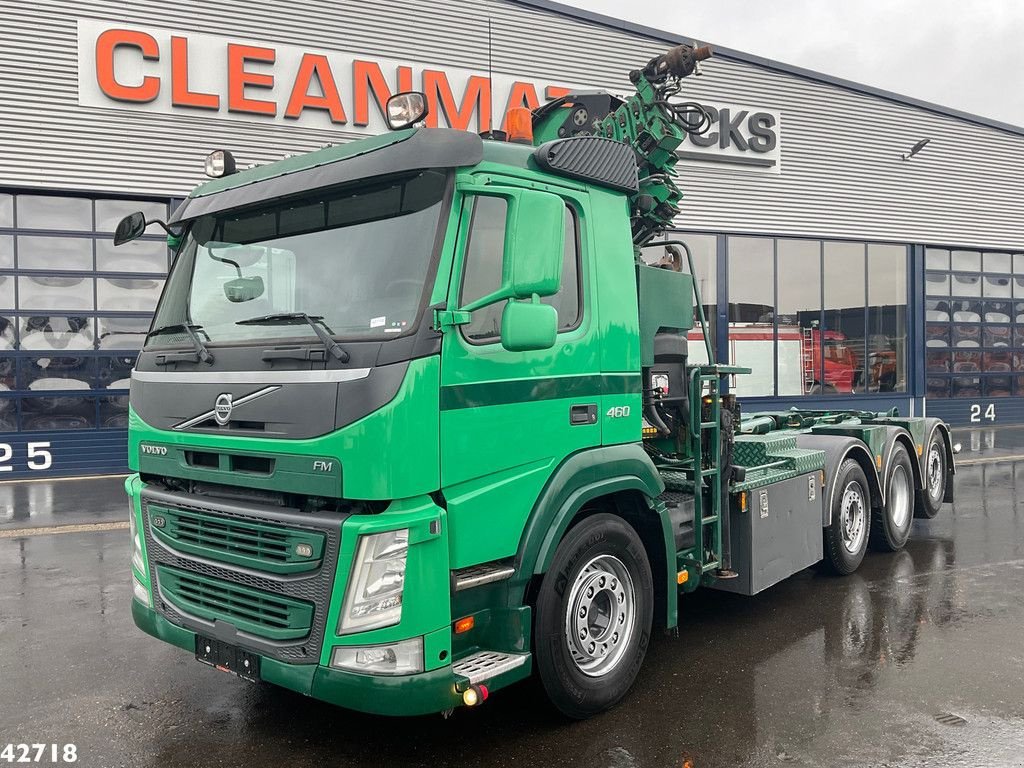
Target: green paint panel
(252, 545)
(251, 610)
(532, 390)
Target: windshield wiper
(202, 353)
(316, 322)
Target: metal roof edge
(760, 61)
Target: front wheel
(846, 537)
(594, 614)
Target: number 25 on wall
(39, 456)
(977, 415)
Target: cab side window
(485, 250)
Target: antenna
(490, 77)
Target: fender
(837, 449)
(900, 435)
(583, 477)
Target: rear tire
(936, 475)
(594, 614)
(890, 525)
(846, 537)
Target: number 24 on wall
(39, 456)
(977, 415)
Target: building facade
(844, 274)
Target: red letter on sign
(553, 92)
(239, 78)
(522, 95)
(440, 99)
(366, 77)
(181, 96)
(314, 64)
(106, 44)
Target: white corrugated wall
(841, 174)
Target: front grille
(222, 547)
(250, 610)
(254, 545)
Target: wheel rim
(935, 472)
(600, 615)
(853, 517)
(899, 497)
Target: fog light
(402, 658)
(303, 550)
(140, 592)
(475, 694)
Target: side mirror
(243, 289)
(527, 326)
(534, 244)
(131, 227)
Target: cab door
(508, 419)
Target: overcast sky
(968, 55)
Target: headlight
(140, 592)
(404, 658)
(136, 542)
(374, 596)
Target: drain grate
(948, 718)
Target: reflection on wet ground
(916, 660)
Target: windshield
(357, 260)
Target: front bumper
(425, 693)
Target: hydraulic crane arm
(648, 121)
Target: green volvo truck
(417, 418)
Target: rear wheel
(890, 525)
(936, 474)
(846, 537)
(594, 614)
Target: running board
(478, 575)
(484, 665)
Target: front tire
(594, 614)
(890, 525)
(846, 537)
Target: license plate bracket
(228, 658)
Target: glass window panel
(114, 372)
(966, 285)
(54, 413)
(110, 212)
(998, 262)
(567, 301)
(1018, 286)
(936, 311)
(936, 284)
(8, 336)
(8, 413)
(136, 256)
(1018, 263)
(482, 273)
(997, 312)
(1018, 311)
(704, 249)
(937, 362)
(845, 299)
(46, 212)
(46, 292)
(999, 286)
(6, 211)
(56, 372)
(7, 291)
(114, 412)
(6, 251)
(887, 318)
(799, 315)
(56, 253)
(996, 336)
(937, 387)
(56, 332)
(121, 332)
(936, 258)
(751, 313)
(968, 261)
(127, 294)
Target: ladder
(704, 390)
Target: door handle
(582, 414)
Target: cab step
(478, 575)
(484, 665)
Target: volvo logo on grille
(222, 409)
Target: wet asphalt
(916, 660)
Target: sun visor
(420, 149)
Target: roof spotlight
(219, 163)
